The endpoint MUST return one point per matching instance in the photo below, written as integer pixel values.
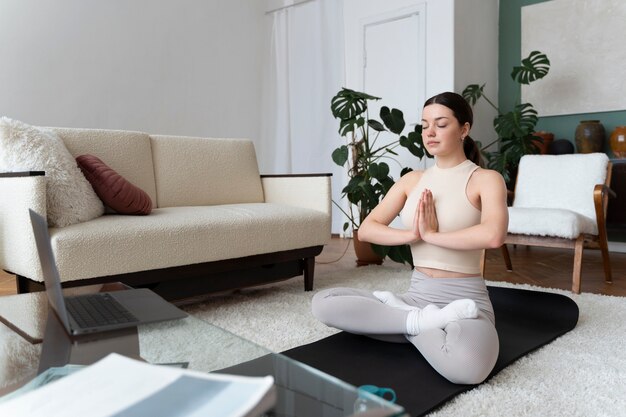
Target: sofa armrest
(20, 191)
(301, 190)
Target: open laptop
(96, 312)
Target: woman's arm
(375, 228)
(494, 219)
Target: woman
(451, 211)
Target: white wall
(439, 39)
(184, 67)
(476, 59)
(461, 48)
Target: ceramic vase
(618, 142)
(547, 139)
(589, 136)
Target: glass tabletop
(302, 390)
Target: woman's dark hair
(463, 113)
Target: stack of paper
(119, 386)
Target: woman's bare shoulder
(409, 180)
(487, 176)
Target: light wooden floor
(545, 267)
(538, 266)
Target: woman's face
(441, 131)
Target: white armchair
(561, 201)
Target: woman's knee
(464, 353)
(319, 305)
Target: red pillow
(113, 189)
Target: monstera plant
(514, 127)
(366, 159)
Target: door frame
(420, 11)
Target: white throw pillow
(70, 198)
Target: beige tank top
(454, 212)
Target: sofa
(215, 223)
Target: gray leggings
(464, 352)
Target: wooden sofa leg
(309, 271)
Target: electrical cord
(338, 259)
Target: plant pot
(547, 138)
(589, 136)
(618, 142)
(365, 255)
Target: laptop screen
(48, 266)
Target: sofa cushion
(203, 171)
(128, 153)
(113, 189)
(69, 197)
(175, 236)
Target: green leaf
(391, 151)
(347, 104)
(346, 126)
(405, 170)
(532, 68)
(519, 122)
(472, 93)
(413, 142)
(376, 125)
(379, 171)
(340, 155)
(345, 226)
(393, 119)
(380, 250)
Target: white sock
(392, 300)
(433, 317)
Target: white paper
(117, 385)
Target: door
(394, 69)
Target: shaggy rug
(582, 373)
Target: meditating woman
(451, 212)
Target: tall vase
(365, 255)
(618, 142)
(589, 136)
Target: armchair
(561, 201)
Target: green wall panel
(509, 92)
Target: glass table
(302, 391)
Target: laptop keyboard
(93, 310)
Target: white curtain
(304, 71)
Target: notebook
(97, 312)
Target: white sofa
(216, 223)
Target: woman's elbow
(496, 240)
(364, 232)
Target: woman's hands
(426, 216)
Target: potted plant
(368, 172)
(515, 128)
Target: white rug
(583, 373)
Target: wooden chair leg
(578, 263)
(507, 258)
(604, 248)
(483, 261)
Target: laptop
(97, 312)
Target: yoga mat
(525, 320)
